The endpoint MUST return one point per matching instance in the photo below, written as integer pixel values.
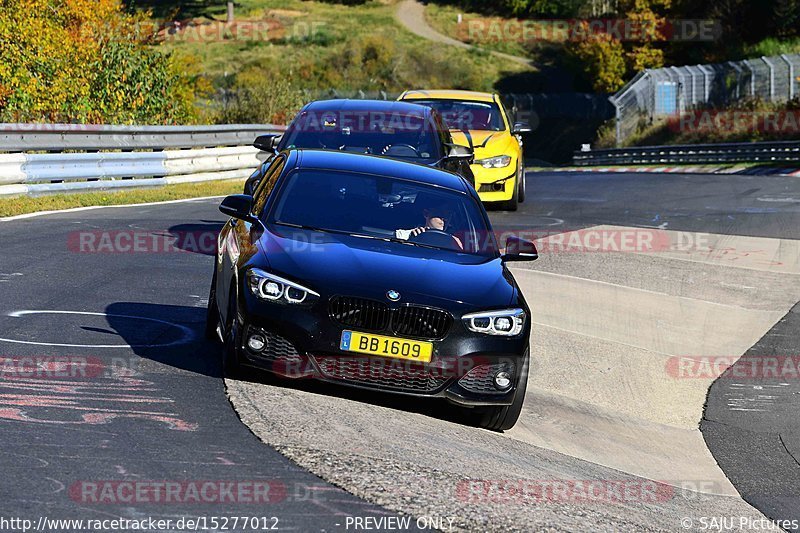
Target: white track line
(92, 207)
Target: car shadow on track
(168, 334)
(197, 238)
(174, 336)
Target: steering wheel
(390, 147)
(438, 238)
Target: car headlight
(507, 323)
(277, 289)
(499, 161)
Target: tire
(212, 311)
(521, 185)
(231, 366)
(511, 205)
(504, 417)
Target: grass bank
(281, 53)
(25, 204)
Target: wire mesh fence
(670, 91)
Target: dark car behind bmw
(400, 130)
(373, 273)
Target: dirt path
(411, 14)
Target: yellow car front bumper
(495, 184)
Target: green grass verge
(25, 204)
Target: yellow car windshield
(461, 115)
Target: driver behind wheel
(436, 218)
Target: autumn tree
(88, 61)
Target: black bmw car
(374, 273)
(400, 130)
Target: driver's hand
(417, 231)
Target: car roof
(371, 164)
(420, 94)
(383, 106)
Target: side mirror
(460, 153)
(238, 206)
(520, 128)
(520, 250)
(267, 143)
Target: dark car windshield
(460, 115)
(378, 206)
(408, 136)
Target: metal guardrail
(760, 152)
(43, 158)
(671, 91)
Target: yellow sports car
(479, 120)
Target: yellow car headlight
(499, 161)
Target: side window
(267, 184)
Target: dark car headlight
(506, 322)
(276, 289)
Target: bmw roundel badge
(393, 295)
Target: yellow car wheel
(517, 197)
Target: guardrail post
(706, 84)
(739, 71)
(791, 75)
(771, 78)
(692, 78)
(752, 77)
(681, 103)
(617, 121)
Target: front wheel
(511, 205)
(212, 332)
(521, 185)
(504, 417)
(230, 350)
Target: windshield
(385, 208)
(406, 136)
(459, 115)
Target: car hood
(488, 143)
(342, 264)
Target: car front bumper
(303, 342)
(495, 184)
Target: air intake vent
(359, 313)
(422, 322)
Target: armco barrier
(759, 152)
(44, 158)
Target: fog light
(256, 343)
(502, 380)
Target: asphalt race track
(109, 392)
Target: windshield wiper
(302, 226)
